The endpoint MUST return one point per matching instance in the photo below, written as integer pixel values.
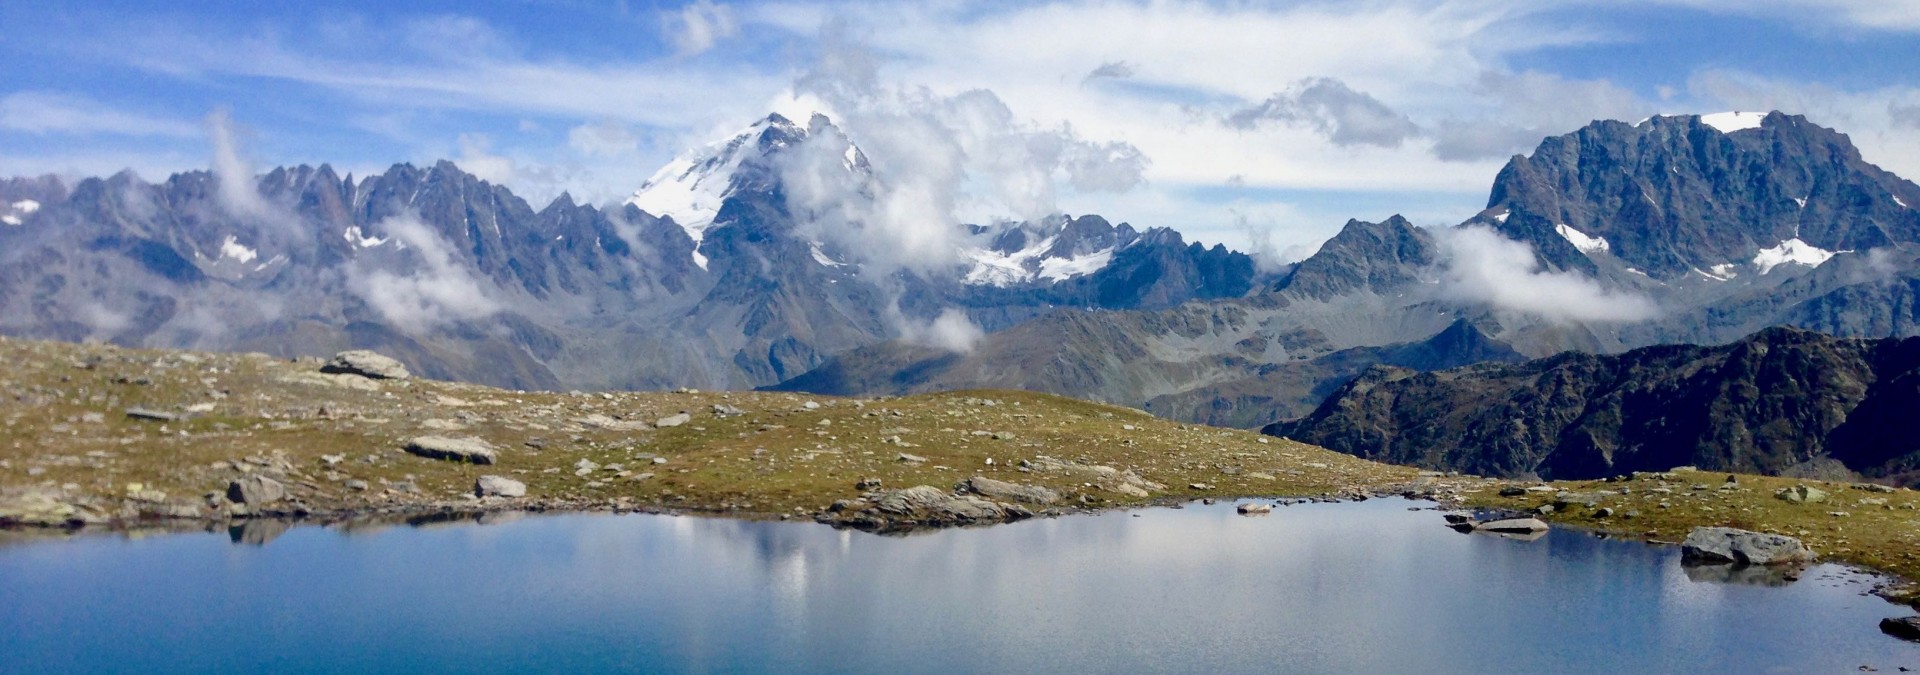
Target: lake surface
(1328, 588)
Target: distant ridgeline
(1784, 401)
(1682, 229)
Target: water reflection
(1367, 587)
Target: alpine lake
(1379, 586)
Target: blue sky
(1260, 124)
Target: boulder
(499, 486)
(471, 450)
(255, 490)
(1724, 545)
(1512, 525)
(1905, 628)
(1801, 494)
(673, 420)
(366, 364)
(1005, 491)
(1254, 508)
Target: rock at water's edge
(1002, 490)
(1723, 545)
(255, 491)
(1513, 525)
(1905, 628)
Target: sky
(1262, 125)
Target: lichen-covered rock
(367, 364)
(920, 506)
(1801, 494)
(1724, 545)
(471, 450)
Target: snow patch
(26, 206)
(1061, 269)
(1580, 240)
(10, 219)
(1720, 272)
(231, 248)
(1791, 251)
(1729, 122)
(1896, 200)
(1631, 270)
(821, 256)
(359, 240)
(1802, 201)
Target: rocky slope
(1783, 401)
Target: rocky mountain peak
(1364, 256)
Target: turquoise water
(1336, 588)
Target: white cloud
(476, 158)
(435, 292)
(48, 113)
(1484, 267)
(698, 26)
(606, 138)
(951, 331)
(239, 188)
(1346, 117)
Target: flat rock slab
(1513, 526)
(499, 486)
(1005, 491)
(471, 450)
(367, 364)
(1726, 545)
(673, 420)
(1253, 508)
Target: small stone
(356, 485)
(1253, 508)
(905, 457)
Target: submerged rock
(471, 450)
(1725, 545)
(367, 364)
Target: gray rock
(866, 484)
(1253, 508)
(904, 457)
(1722, 545)
(255, 490)
(1801, 494)
(1512, 525)
(1005, 491)
(673, 420)
(471, 450)
(499, 486)
(357, 485)
(366, 364)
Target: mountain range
(1675, 229)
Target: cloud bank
(437, 291)
(1483, 267)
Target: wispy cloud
(1484, 267)
(699, 25)
(38, 112)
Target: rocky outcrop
(919, 506)
(1905, 628)
(472, 450)
(367, 364)
(1726, 545)
(1778, 402)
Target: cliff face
(1782, 401)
